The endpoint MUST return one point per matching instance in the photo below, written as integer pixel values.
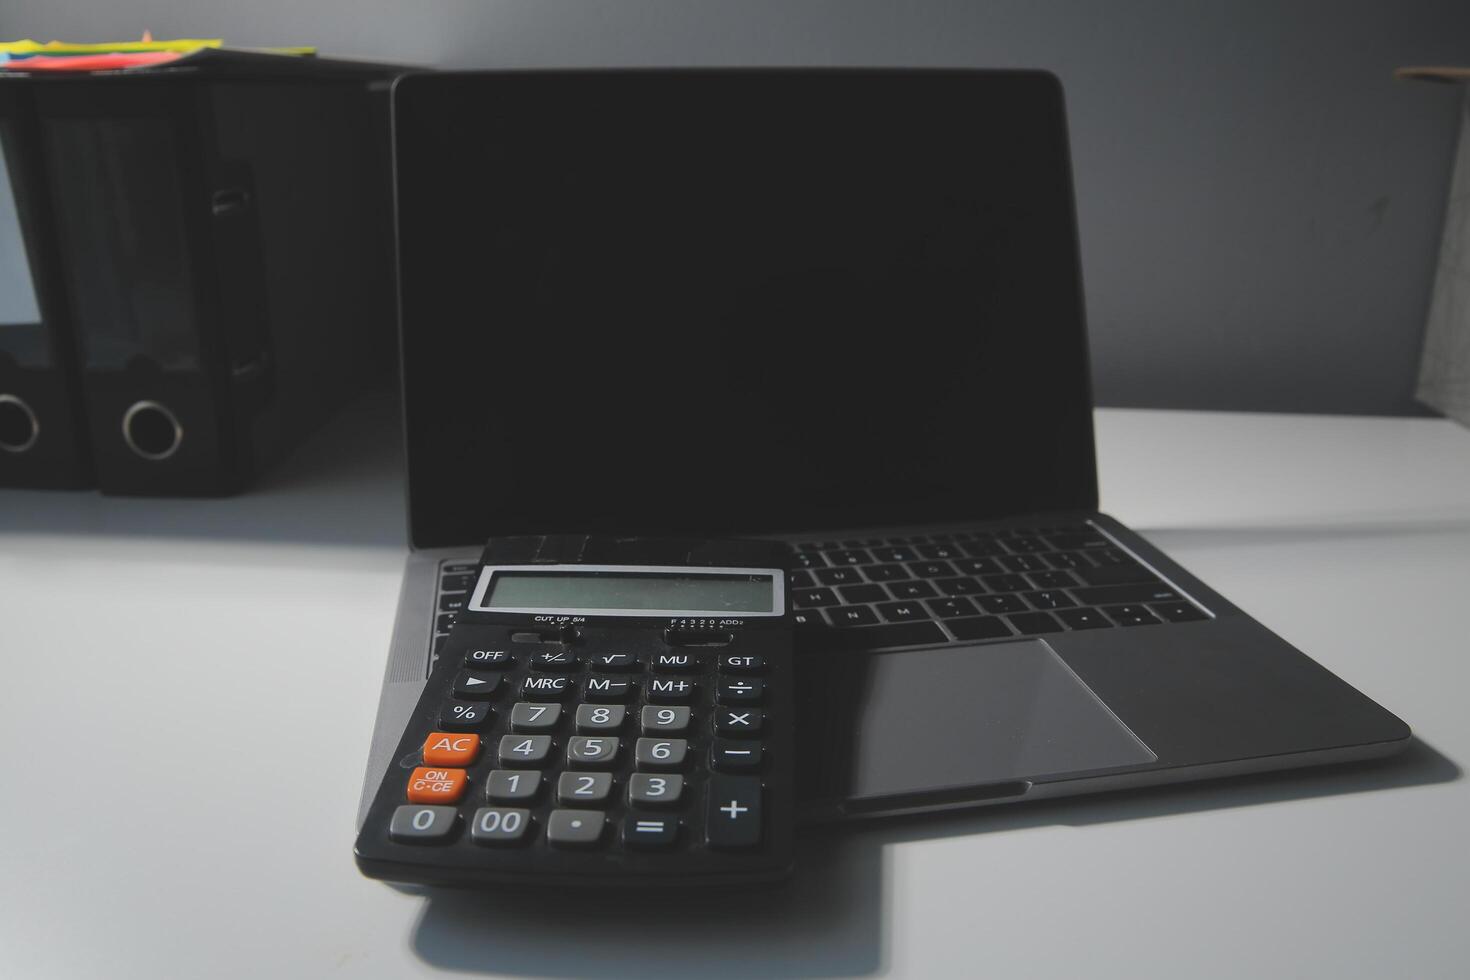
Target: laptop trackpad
(944, 724)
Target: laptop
(841, 308)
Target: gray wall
(1260, 202)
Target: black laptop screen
(737, 302)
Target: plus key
(733, 811)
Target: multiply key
(738, 721)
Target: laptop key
(854, 594)
(895, 554)
(808, 559)
(978, 628)
(1131, 615)
(910, 590)
(1108, 595)
(1067, 559)
(978, 566)
(1024, 563)
(1116, 574)
(1006, 583)
(1110, 556)
(983, 548)
(902, 612)
(1083, 619)
(1049, 599)
(807, 619)
(1037, 622)
(839, 576)
(1178, 612)
(801, 580)
(456, 583)
(942, 551)
(1000, 603)
(959, 586)
(808, 598)
(1077, 541)
(1052, 580)
(1026, 544)
(852, 556)
(890, 635)
(930, 569)
(950, 608)
(852, 616)
(886, 573)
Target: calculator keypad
(612, 746)
(544, 744)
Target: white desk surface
(189, 686)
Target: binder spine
(130, 195)
(43, 440)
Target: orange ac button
(450, 749)
(429, 784)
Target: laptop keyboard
(958, 586)
(456, 579)
(977, 585)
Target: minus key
(729, 755)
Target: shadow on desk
(832, 918)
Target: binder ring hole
(151, 430)
(18, 425)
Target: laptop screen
(737, 302)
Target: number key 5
(584, 751)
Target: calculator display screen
(651, 592)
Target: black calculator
(605, 711)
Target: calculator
(605, 711)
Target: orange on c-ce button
(450, 749)
(433, 785)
